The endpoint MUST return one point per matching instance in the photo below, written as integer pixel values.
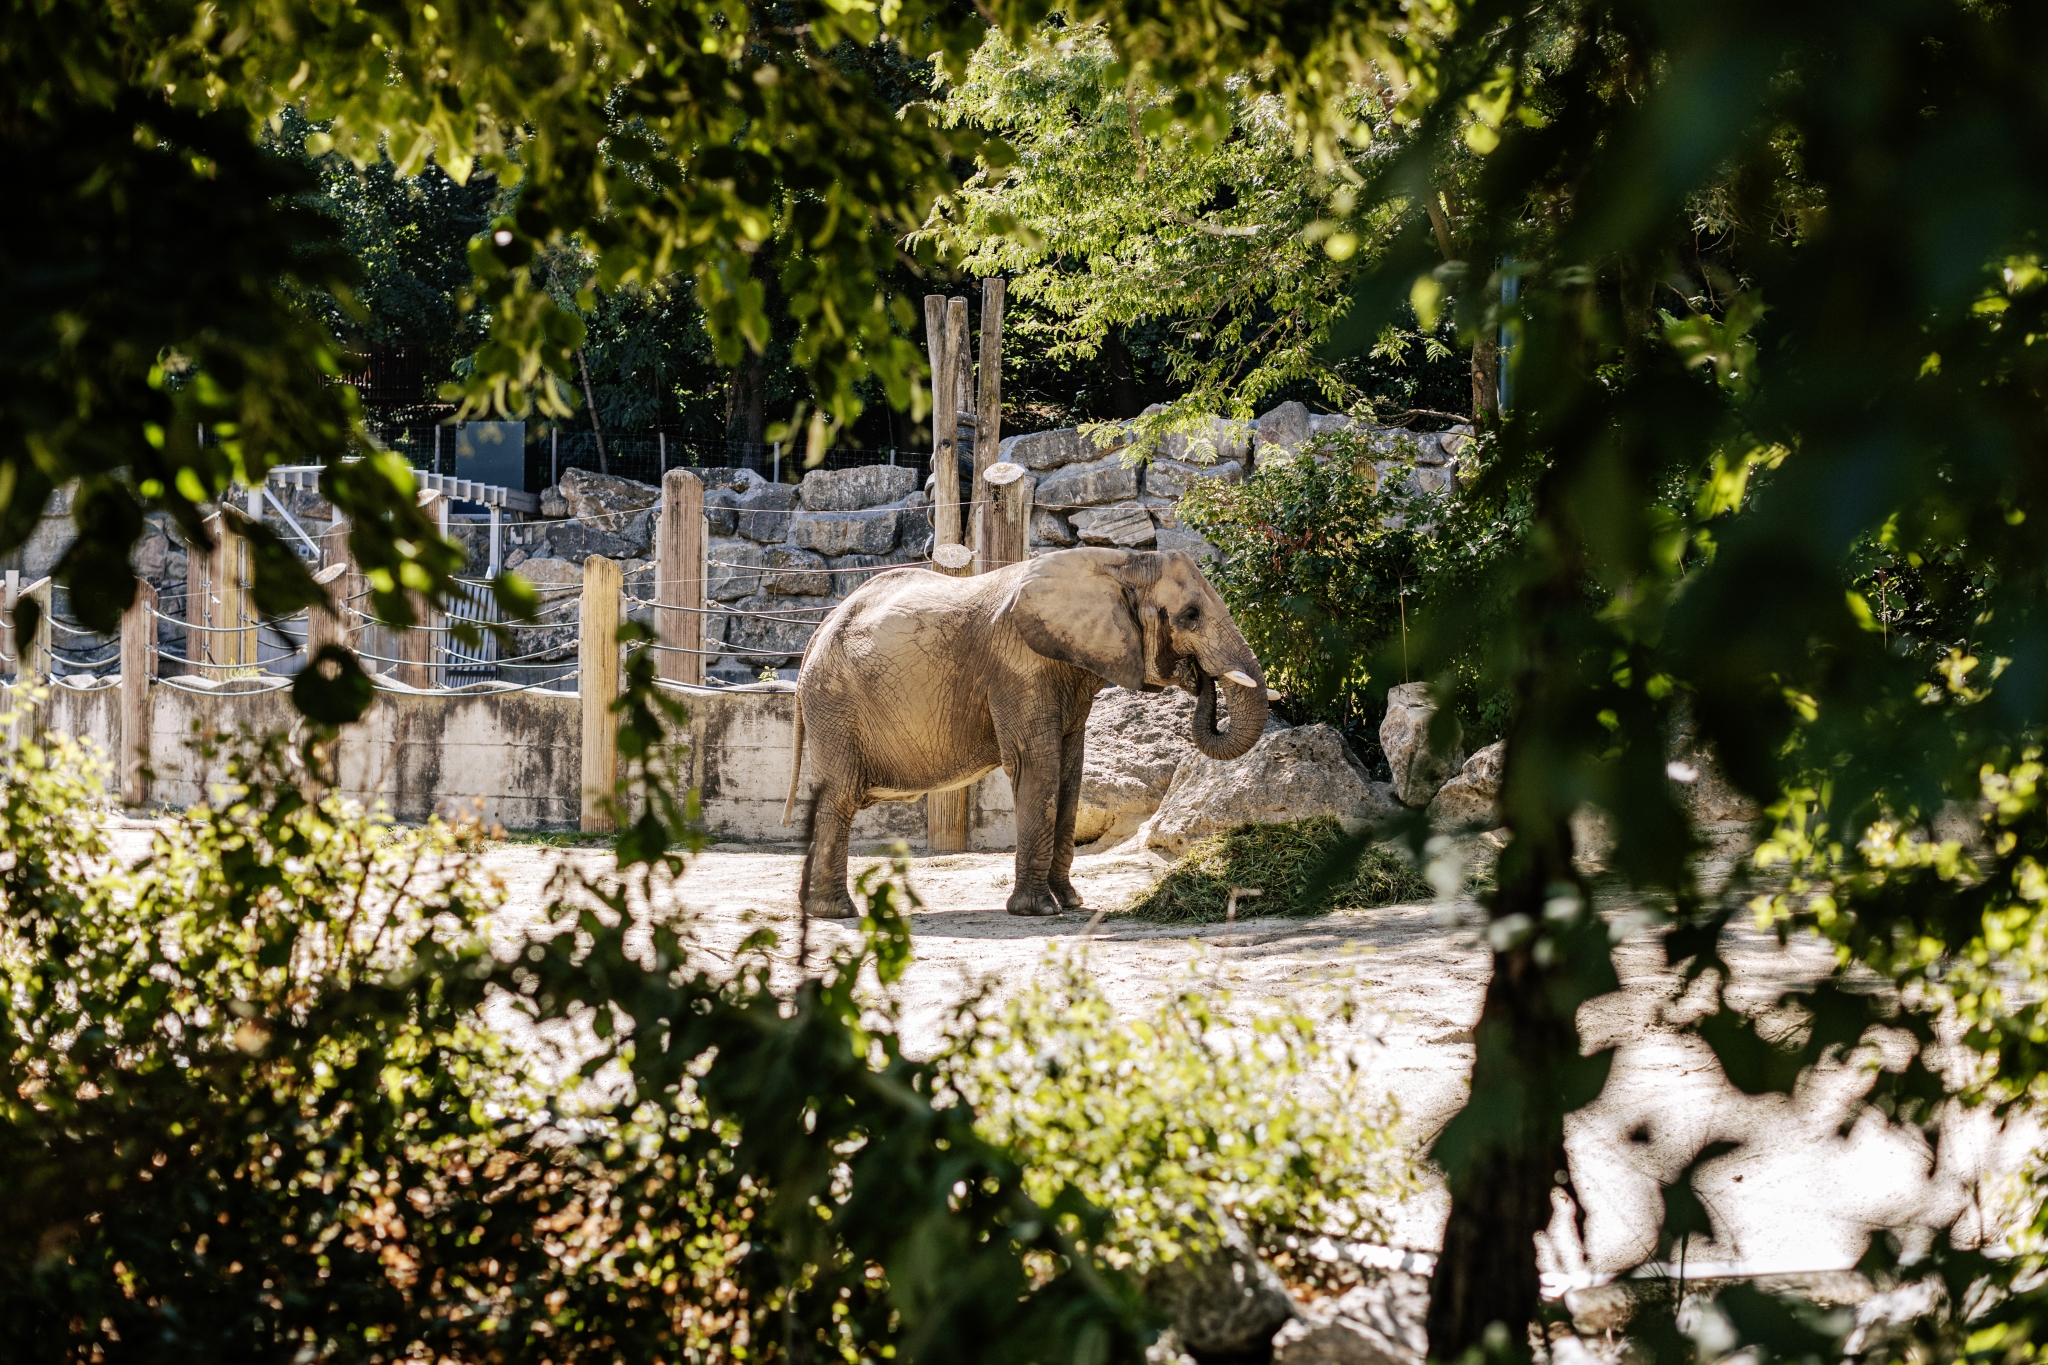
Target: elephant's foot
(832, 907)
(1063, 891)
(1028, 902)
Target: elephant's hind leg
(824, 885)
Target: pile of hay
(1279, 860)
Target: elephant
(922, 682)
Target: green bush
(1318, 561)
(1169, 1119)
(252, 1107)
(1278, 860)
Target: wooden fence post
(36, 657)
(10, 593)
(945, 423)
(327, 625)
(138, 663)
(988, 424)
(597, 662)
(1009, 525)
(199, 612)
(235, 636)
(679, 577)
(415, 646)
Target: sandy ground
(1796, 1196)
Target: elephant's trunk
(1246, 709)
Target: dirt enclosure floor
(1796, 1196)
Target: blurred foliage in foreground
(286, 1090)
(1179, 1116)
(1282, 861)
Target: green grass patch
(1277, 859)
(558, 838)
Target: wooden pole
(1009, 491)
(679, 577)
(36, 657)
(325, 624)
(415, 645)
(138, 662)
(598, 688)
(230, 608)
(945, 425)
(199, 608)
(10, 593)
(988, 423)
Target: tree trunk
(1500, 1192)
(1486, 379)
(746, 400)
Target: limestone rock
(764, 511)
(808, 579)
(1172, 478)
(546, 572)
(1322, 423)
(1089, 485)
(600, 498)
(616, 537)
(720, 518)
(1285, 427)
(1223, 439)
(1136, 741)
(738, 480)
(784, 632)
(1046, 449)
(731, 569)
(1050, 528)
(553, 506)
(1290, 774)
(1168, 539)
(1376, 1323)
(1471, 800)
(844, 584)
(1226, 1303)
(850, 490)
(871, 532)
(1418, 770)
(1127, 527)
(151, 556)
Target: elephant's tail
(796, 761)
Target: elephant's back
(896, 669)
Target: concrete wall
(514, 759)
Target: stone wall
(513, 759)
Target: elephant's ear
(1075, 607)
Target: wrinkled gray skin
(920, 682)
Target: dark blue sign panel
(491, 452)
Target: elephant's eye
(1190, 617)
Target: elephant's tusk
(1240, 677)
(1271, 695)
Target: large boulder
(871, 532)
(803, 573)
(1127, 527)
(784, 626)
(1471, 800)
(1089, 485)
(850, 490)
(1046, 449)
(1290, 774)
(764, 511)
(737, 480)
(1284, 428)
(1419, 770)
(1223, 439)
(720, 518)
(1050, 528)
(732, 569)
(623, 536)
(1379, 1322)
(1167, 539)
(1172, 478)
(1136, 741)
(1225, 1305)
(600, 498)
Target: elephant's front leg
(1072, 753)
(1037, 782)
